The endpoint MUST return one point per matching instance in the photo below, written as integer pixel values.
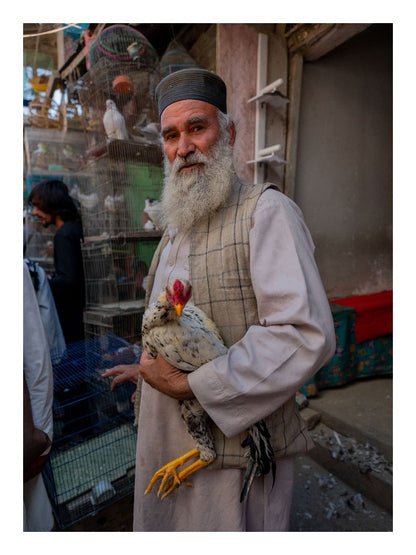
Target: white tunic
(292, 304)
(37, 368)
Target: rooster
(187, 338)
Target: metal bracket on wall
(267, 95)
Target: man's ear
(233, 133)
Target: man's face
(198, 162)
(189, 126)
(45, 218)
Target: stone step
(357, 462)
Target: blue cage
(92, 459)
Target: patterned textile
(352, 360)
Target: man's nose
(185, 146)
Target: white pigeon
(149, 226)
(89, 201)
(114, 122)
(112, 203)
(152, 208)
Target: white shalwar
(288, 288)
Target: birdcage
(125, 318)
(54, 153)
(92, 459)
(45, 113)
(124, 169)
(123, 67)
(123, 43)
(114, 201)
(121, 265)
(175, 58)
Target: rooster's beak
(179, 309)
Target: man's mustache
(191, 158)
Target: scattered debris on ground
(324, 503)
(347, 449)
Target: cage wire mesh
(92, 459)
(49, 154)
(115, 280)
(123, 173)
(123, 43)
(175, 58)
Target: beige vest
(219, 271)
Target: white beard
(189, 196)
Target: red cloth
(374, 314)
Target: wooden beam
(80, 56)
(302, 36)
(333, 38)
(295, 90)
(315, 40)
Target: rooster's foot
(171, 478)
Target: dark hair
(52, 197)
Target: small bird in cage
(114, 123)
(112, 203)
(88, 201)
(149, 134)
(41, 156)
(152, 209)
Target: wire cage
(126, 169)
(175, 58)
(53, 151)
(123, 318)
(132, 91)
(123, 170)
(119, 264)
(115, 279)
(92, 460)
(123, 67)
(113, 199)
(123, 43)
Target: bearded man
(249, 257)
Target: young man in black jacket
(52, 204)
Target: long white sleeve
(37, 364)
(296, 336)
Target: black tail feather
(248, 479)
(261, 456)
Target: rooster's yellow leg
(185, 473)
(168, 473)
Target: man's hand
(122, 373)
(164, 377)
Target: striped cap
(192, 84)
